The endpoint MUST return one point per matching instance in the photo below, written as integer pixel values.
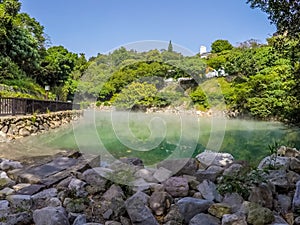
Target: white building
(202, 49)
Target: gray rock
(50, 216)
(234, 200)
(292, 178)
(10, 165)
(284, 204)
(6, 191)
(146, 174)
(209, 191)
(94, 177)
(180, 167)
(174, 215)
(189, 207)
(114, 191)
(274, 162)
(4, 208)
(77, 186)
(234, 219)
(262, 195)
(6, 182)
(204, 219)
(54, 202)
(139, 212)
(296, 199)
(211, 173)
(209, 158)
(24, 132)
(80, 220)
(23, 202)
(295, 165)
(279, 221)
(278, 178)
(160, 202)
(19, 218)
(112, 223)
(233, 170)
(177, 186)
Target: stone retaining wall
(12, 127)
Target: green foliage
(170, 47)
(136, 96)
(284, 14)
(220, 46)
(240, 183)
(199, 97)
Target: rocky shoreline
(211, 189)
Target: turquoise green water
(154, 138)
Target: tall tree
(220, 45)
(170, 47)
(285, 14)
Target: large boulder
(50, 216)
(209, 191)
(209, 158)
(189, 207)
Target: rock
(77, 186)
(292, 178)
(157, 187)
(219, 209)
(112, 223)
(4, 208)
(6, 191)
(114, 191)
(146, 174)
(177, 186)
(80, 220)
(209, 191)
(30, 190)
(297, 221)
(234, 219)
(180, 167)
(125, 220)
(19, 218)
(133, 162)
(160, 202)
(279, 221)
(296, 199)
(234, 200)
(272, 162)
(93, 177)
(258, 215)
(10, 165)
(24, 132)
(262, 195)
(162, 174)
(211, 173)
(204, 219)
(50, 216)
(6, 182)
(174, 215)
(139, 212)
(295, 165)
(54, 202)
(209, 158)
(233, 170)
(189, 207)
(22, 202)
(279, 179)
(284, 204)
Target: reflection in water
(139, 135)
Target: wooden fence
(23, 106)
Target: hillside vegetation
(261, 80)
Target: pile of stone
(75, 189)
(12, 127)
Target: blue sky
(98, 26)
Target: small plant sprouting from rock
(241, 183)
(273, 155)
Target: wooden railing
(23, 106)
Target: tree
(170, 47)
(220, 45)
(284, 14)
